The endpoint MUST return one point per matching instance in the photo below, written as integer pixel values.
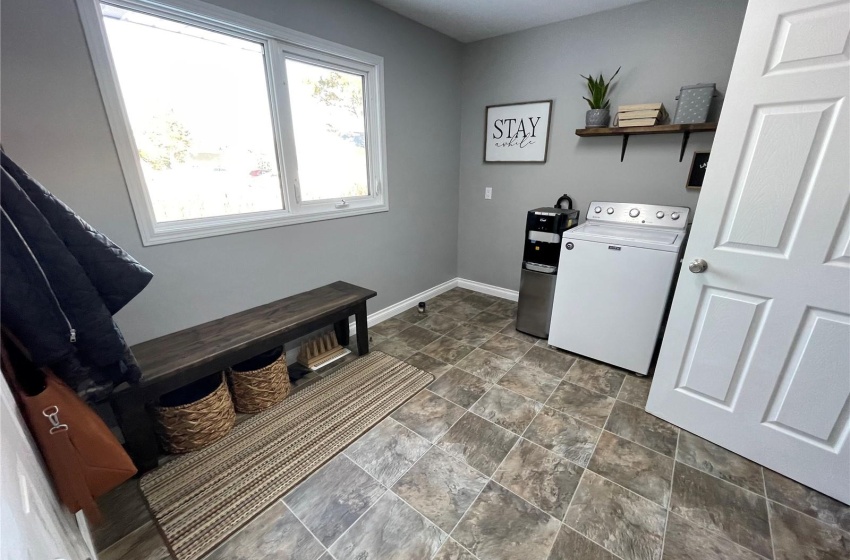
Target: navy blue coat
(61, 282)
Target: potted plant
(598, 115)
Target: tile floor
(517, 451)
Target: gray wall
(661, 45)
(54, 125)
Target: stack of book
(646, 114)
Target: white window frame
(279, 43)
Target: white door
(756, 355)
(33, 525)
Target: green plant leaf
(598, 89)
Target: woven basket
(259, 389)
(195, 425)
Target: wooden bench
(175, 360)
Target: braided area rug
(200, 499)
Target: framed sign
(698, 167)
(517, 133)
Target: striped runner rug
(200, 499)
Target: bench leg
(362, 330)
(137, 427)
(342, 332)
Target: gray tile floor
(517, 451)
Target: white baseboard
(380, 316)
(412, 301)
(488, 289)
(393, 310)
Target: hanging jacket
(60, 283)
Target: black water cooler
(543, 230)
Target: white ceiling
(472, 20)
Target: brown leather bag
(83, 456)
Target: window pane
(330, 132)
(199, 110)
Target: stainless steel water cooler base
(534, 308)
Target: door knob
(697, 266)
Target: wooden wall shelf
(684, 129)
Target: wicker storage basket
(259, 389)
(191, 426)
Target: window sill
(172, 232)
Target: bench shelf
(175, 360)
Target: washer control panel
(675, 217)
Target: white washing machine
(615, 276)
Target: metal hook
(52, 414)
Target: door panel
(840, 253)
(756, 355)
(714, 370)
(814, 390)
(787, 141)
(809, 37)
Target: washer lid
(646, 237)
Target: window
(327, 118)
(224, 123)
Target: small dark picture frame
(699, 165)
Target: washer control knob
(659, 214)
(598, 209)
(674, 216)
(634, 212)
(610, 210)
